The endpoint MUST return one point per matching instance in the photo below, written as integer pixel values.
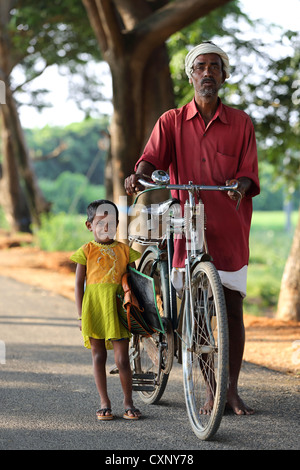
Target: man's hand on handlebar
(243, 186)
(132, 184)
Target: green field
(270, 244)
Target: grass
(270, 245)
(62, 232)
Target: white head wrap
(205, 48)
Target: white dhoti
(234, 280)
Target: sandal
(133, 410)
(104, 416)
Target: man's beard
(208, 91)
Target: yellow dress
(105, 265)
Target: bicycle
(201, 326)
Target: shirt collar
(220, 113)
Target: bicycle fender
(199, 258)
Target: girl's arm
(79, 287)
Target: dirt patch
(269, 342)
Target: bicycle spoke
(205, 374)
(148, 360)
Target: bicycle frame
(193, 254)
(200, 338)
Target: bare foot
(236, 404)
(206, 409)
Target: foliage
(45, 33)
(62, 232)
(71, 192)
(269, 248)
(266, 88)
(278, 116)
(273, 193)
(219, 26)
(83, 153)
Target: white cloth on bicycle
(234, 280)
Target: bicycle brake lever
(239, 201)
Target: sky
(285, 13)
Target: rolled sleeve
(248, 166)
(159, 149)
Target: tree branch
(93, 15)
(54, 154)
(159, 26)
(106, 24)
(111, 26)
(35, 75)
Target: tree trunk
(17, 168)
(21, 197)
(289, 297)
(134, 116)
(131, 36)
(12, 197)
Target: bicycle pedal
(143, 382)
(149, 377)
(143, 388)
(114, 370)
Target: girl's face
(104, 227)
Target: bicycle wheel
(205, 351)
(153, 356)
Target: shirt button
(204, 159)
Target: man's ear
(89, 226)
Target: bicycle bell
(160, 177)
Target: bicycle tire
(146, 349)
(205, 351)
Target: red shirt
(224, 150)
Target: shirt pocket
(225, 167)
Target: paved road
(48, 397)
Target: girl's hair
(93, 206)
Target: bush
(71, 192)
(62, 232)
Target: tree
(34, 35)
(277, 123)
(289, 297)
(271, 95)
(132, 38)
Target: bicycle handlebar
(188, 187)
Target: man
(209, 143)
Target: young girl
(100, 266)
